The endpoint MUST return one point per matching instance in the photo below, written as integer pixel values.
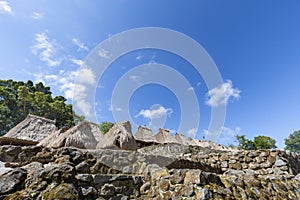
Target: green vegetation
(259, 142)
(18, 99)
(105, 126)
(292, 143)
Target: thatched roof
(118, 137)
(145, 134)
(182, 139)
(164, 136)
(16, 141)
(79, 136)
(32, 128)
(95, 128)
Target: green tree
(259, 142)
(105, 126)
(18, 99)
(244, 143)
(264, 142)
(292, 143)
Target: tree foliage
(292, 143)
(264, 142)
(105, 126)
(259, 142)
(244, 143)
(18, 99)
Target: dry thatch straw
(16, 141)
(32, 128)
(164, 136)
(145, 134)
(79, 136)
(118, 137)
(182, 139)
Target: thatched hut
(95, 129)
(182, 139)
(119, 136)
(145, 137)
(79, 136)
(32, 128)
(164, 136)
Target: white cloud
(5, 8)
(45, 49)
(192, 132)
(139, 57)
(77, 61)
(220, 95)
(64, 81)
(79, 96)
(134, 78)
(227, 135)
(115, 108)
(86, 76)
(37, 15)
(155, 113)
(190, 89)
(104, 53)
(81, 46)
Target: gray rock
(279, 162)
(89, 192)
(85, 179)
(12, 181)
(82, 167)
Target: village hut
(119, 136)
(164, 136)
(145, 137)
(95, 129)
(182, 139)
(32, 128)
(79, 136)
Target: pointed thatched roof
(182, 139)
(145, 134)
(95, 128)
(33, 128)
(164, 136)
(118, 137)
(79, 136)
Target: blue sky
(254, 44)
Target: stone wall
(156, 172)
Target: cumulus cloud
(220, 95)
(5, 8)
(86, 76)
(37, 15)
(45, 49)
(81, 46)
(155, 113)
(192, 132)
